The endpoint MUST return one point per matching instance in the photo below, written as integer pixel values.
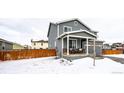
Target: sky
(23, 30)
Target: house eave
(74, 19)
(49, 28)
(67, 33)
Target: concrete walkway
(117, 59)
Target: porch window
(67, 28)
(72, 44)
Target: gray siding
(52, 36)
(7, 46)
(59, 47)
(0, 45)
(65, 43)
(71, 24)
(97, 48)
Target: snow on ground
(51, 65)
(116, 55)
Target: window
(41, 44)
(34, 44)
(75, 23)
(67, 28)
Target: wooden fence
(109, 52)
(26, 54)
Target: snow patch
(51, 65)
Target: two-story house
(39, 44)
(71, 37)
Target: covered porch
(73, 45)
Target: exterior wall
(59, 47)
(52, 37)
(83, 44)
(7, 46)
(98, 47)
(0, 45)
(74, 27)
(78, 42)
(39, 45)
(65, 43)
(98, 50)
(16, 46)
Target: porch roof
(72, 32)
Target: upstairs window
(75, 23)
(67, 28)
(41, 44)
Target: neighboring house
(5, 45)
(73, 37)
(40, 44)
(115, 45)
(17, 46)
(27, 47)
(106, 46)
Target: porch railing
(74, 51)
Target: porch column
(87, 49)
(62, 48)
(67, 45)
(94, 51)
(94, 48)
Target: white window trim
(67, 27)
(75, 40)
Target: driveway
(117, 59)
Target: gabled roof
(64, 21)
(50, 27)
(74, 19)
(36, 41)
(66, 33)
(6, 41)
(3, 40)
